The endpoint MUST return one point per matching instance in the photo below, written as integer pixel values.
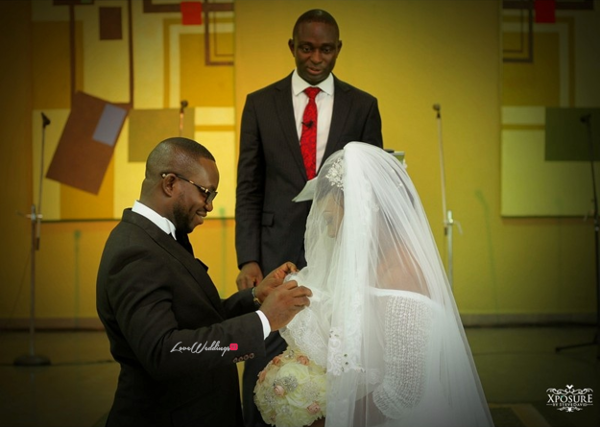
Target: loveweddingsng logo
(569, 399)
(199, 348)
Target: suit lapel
(287, 120)
(342, 104)
(199, 271)
(194, 266)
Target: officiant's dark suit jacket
(159, 307)
(269, 226)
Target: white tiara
(335, 174)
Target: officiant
(288, 130)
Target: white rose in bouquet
(290, 391)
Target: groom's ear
(168, 183)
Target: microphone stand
(31, 359)
(586, 119)
(447, 214)
(184, 104)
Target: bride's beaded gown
(382, 319)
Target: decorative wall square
(111, 27)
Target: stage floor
(516, 367)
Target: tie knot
(312, 92)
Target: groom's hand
(250, 274)
(273, 279)
(283, 270)
(284, 302)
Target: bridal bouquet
(290, 391)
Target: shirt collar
(299, 84)
(160, 221)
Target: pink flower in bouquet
(276, 360)
(313, 408)
(279, 390)
(303, 360)
(262, 375)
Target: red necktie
(308, 139)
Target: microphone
(585, 118)
(45, 120)
(184, 104)
(437, 108)
(308, 125)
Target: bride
(382, 319)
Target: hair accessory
(335, 174)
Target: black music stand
(587, 121)
(32, 359)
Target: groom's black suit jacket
(153, 298)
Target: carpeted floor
(503, 416)
(516, 367)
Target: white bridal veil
(382, 319)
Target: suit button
(251, 355)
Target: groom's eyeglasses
(209, 194)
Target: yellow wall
(410, 55)
(542, 103)
(15, 153)
(36, 77)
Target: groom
(176, 341)
(274, 165)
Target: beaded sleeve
(407, 330)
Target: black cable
(12, 312)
